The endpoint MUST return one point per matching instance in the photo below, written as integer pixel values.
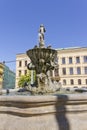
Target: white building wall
(72, 52)
(69, 52)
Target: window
(77, 60)
(71, 82)
(85, 70)
(20, 63)
(78, 70)
(70, 60)
(19, 72)
(71, 71)
(63, 60)
(85, 59)
(86, 81)
(25, 72)
(26, 63)
(79, 81)
(56, 72)
(64, 71)
(64, 82)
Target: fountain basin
(53, 112)
(42, 58)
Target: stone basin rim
(43, 98)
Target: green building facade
(8, 78)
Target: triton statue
(41, 35)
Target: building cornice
(76, 49)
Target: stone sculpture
(43, 61)
(41, 35)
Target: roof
(69, 48)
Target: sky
(65, 22)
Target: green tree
(24, 79)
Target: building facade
(7, 77)
(1, 74)
(21, 65)
(72, 67)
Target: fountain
(43, 112)
(43, 60)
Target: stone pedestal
(62, 112)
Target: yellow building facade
(1, 74)
(72, 67)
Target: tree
(24, 79)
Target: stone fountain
(43, 60)
(43, 112)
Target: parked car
(75, 87)
(84, 87)
(68, 89)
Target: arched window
(20, 63)
(19, 73)
(71, 81)
(56, 72)
(71, 70)
(25, 72)
(85, 81)
(25, 62)
(63, 60)
(79, 81)
(64, 71)
(64, 82)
